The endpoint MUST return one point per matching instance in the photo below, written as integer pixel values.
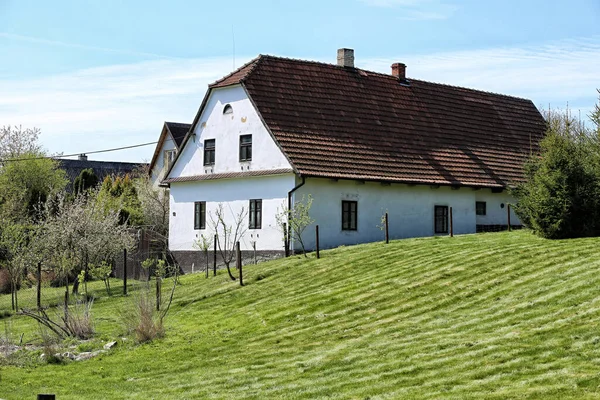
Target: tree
(204, 243)
(154, 205)
(298, 219)
(27, 183)
(87, 179)
(228, 234)
(119, 194)
(561, 195)
(16, 141)
(14, 242)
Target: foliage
(204, 243)
(154, 203)
(298, 219)
(228, 234)
(561, 197)
(16, 141)
(17, 254)
(142, 320)
(26, 184)
(86, 180)
(102, 271)
(120, 195)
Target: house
(169, 143)
(360, 143)
(102, 169)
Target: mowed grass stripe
(492, 315)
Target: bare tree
(204, 243)
(16, 141)
(298, 219)
(228, 234)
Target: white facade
(410, 210)
(410, 207)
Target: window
(209, 152)
(227, 109)
(255, 214)
(200, 215)
(349, 215)
(441, 219)
(168, 157)
(245, 147)
(480, 207)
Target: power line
(83, 152)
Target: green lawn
(504, 315)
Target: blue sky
(100, 74)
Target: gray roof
(102, 169)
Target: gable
(226, 129)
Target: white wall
(226, 130)
(158, 171)
(233, 194)
(410, 210)
(495, 213)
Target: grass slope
(502, 315)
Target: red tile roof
(340, 122)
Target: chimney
(345, 58)
(399, 70)
(82, 157)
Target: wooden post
(451, 224)
(215, 255)
(157, 293)
(125, 272)
(286, 240)
(39, 285)
(317, 241)
(387, 229)
(508, 215)
(206, 259)
(254, 247)
(238, 260)
(46, 397)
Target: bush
(142, 319)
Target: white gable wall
(410, 210)
(158, 171)
(226, 130)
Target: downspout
(289, 229)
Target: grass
(505, 315)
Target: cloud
(416, 10)
(122, 105)
(36, 40)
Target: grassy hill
(503, 315)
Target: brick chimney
(82, 157)
(399, 70)
(345, 58)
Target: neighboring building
(360, 142)
(170, 140)
(102, 169)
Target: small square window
(441, 219)
(255, 214)
(480, 208)
(209, 152)
(349, 215)
(246, 148)
(168, 158)
(200, 215)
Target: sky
(96, 75)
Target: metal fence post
(215, 255)
(451, 224)
(125, 272)
(387, 230)
(39, 285)
(238, 256)
(317, 240)
(508, 213)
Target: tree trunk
(229, 271)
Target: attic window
(227, 109)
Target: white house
(169, 142)
(360, 143)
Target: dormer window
(227, 109)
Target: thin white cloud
(416, 10)
(122, 105)
(36, 40)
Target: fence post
(214, 256)
(387, 229)
(238, 259)
(286, 241)
(125, 272)
(508, 214)
(157, 293)
(254, 247)
(317, 241)
(206, 259)
(451, 224)
(39, 285)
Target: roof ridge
(235, 71)
(384, 75)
